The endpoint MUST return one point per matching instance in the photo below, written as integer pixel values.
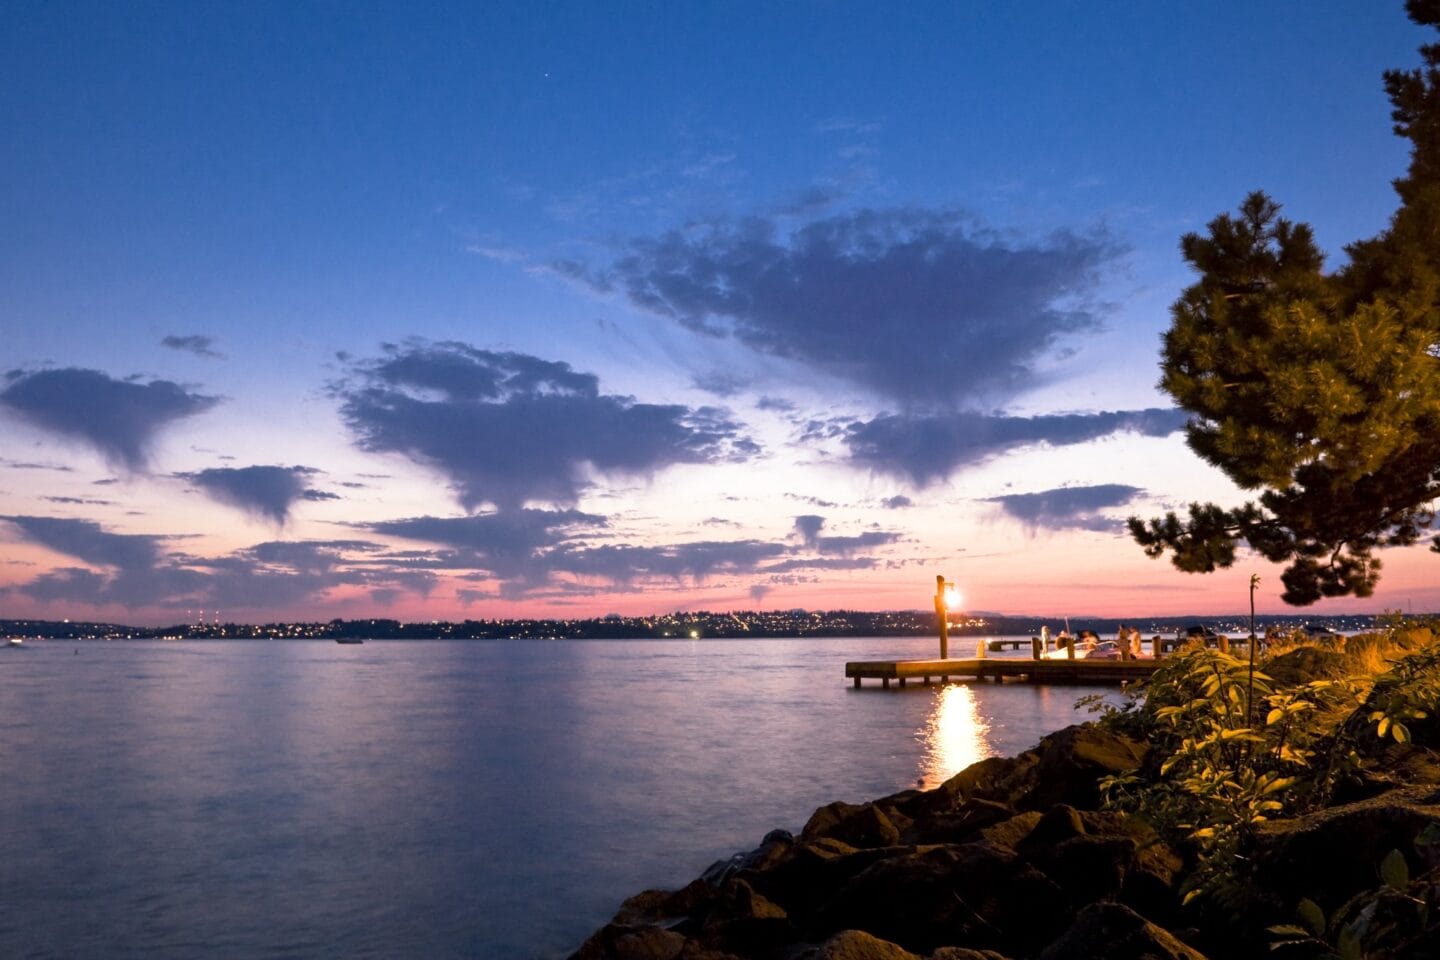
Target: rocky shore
(1019, 858)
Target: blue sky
(360, 309)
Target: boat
(16, 641)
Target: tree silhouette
(1321, 390)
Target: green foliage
(1321, 390)
(1220, 775)
(1370, 925)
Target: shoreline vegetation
(1290, 811)
(700, 624)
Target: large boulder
(1332, 854)
(863, 825)
(1115, 932)
(1065, 767)
(1071, 764)
(975, 894)
(858, 945)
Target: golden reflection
(955, 735)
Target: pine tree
(1321, 390)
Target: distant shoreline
(697, 625)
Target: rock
(1115, 932)
(1332, 854)
(812, 871)
(745, 922)
(859, 945)
(620, 942)
(771, 849)
(986, 780)
(974, 894)
(864, 825)
(1072, 763)
(1056, 825)
(965, 953)
(961, 825)
(1011, 833)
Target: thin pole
(940, 616)
(1250, 688)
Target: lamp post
(946, 597)
(1250, 684)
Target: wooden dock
(1000, 669)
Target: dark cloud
(897, 502)
(513, 544)
(529, 549)
(139, 570)
(263, 491)
(88, 541)
(621, 564)
(508, 428)
(927, 449)
(808, 527)
(822, 563)
(1068, 508)
(778, 404)
(199, 345)
(120, 418)
(928, 308)
(721, 383)
(23, 465)
(80, 501)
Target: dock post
(940, 614)
(1157, 647)
(1034, 648)
(1224, 644)
(857, 683)
(1070, 648)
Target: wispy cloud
(201, 346)
(1068, 508)
(925, 449)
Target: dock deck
(1002, 668)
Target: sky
(439, 311)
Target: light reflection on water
(955, 735)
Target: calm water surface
(432, 798)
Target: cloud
(513, 544)
(925, 449)
(508, 428)
(88, 541)
(263, 491)
(120, 418)
(897, 502)
(199, 345)
(529, 549)
(621, 564)
(808, 527)
(135, 570)
(927, 308)
(1068, 508)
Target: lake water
(433, 798)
